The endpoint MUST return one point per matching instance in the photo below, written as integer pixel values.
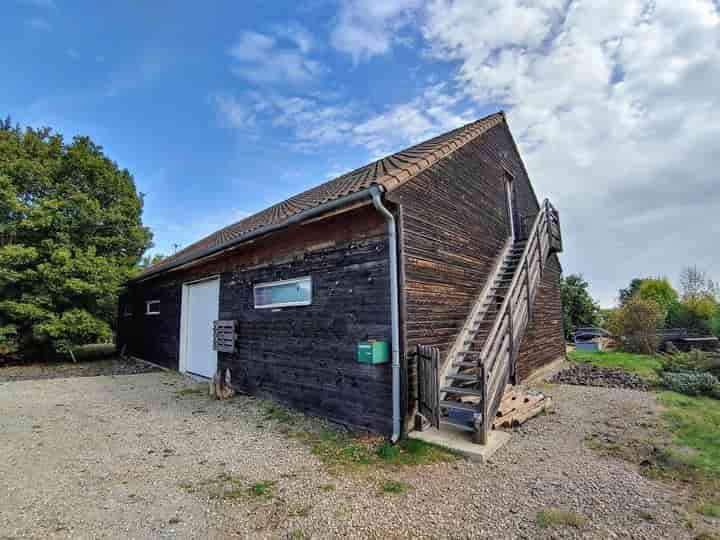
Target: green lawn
(695, 425)
(642, 365)
(690, 430)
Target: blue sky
(220, 109)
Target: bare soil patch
(62, 370)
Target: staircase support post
(527, 286)
(481, 425)
(511, 341)
(539, 252)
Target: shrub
(692, 383)
(696, 313)
(695, 360)
(638, 321)
(8, 340)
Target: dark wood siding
(455, 222)
(305, 356)
(544, 340)
(153, 337)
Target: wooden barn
(420, 284)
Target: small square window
(152, 307)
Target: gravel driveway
(143, 456)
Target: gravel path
(145, 456)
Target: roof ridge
(390, 172)
(405, 173)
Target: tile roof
(390, 172)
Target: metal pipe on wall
(394, 311)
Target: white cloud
(365, 28)
(615, 106)
(280, 57)
(432, 113)
(314, 122)
(296, 34)
(232, 112)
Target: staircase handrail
(509, 307)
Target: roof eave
(310, 213)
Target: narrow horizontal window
(152, 307)
(291, 292)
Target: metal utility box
(373, 352)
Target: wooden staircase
(485, 359)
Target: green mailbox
(373, 352)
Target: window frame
(147, 307)
(268, 284)
(127, 310)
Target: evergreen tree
(579, 308)
(70, 234)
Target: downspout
(375, 192)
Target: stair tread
(459, 405)
(461, 391)
(463, 377)
(465, 365)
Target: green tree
(629, 292)
(579, 308)
(638, 321)
(70, 234)
(698, 313)
(659, 290)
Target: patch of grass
(706, 536)
(695, 424)
(192, 390)
(554, 517)
(296, 534)
(603, 444)
(647, 516)
(343, 452)
(302, 512)
(266, 489)
(708, 509)
(226, 486)
(394, 487)
(328, 487)
(642, 365)
(414, 452)
(276, 412)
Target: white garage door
(200, 312)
